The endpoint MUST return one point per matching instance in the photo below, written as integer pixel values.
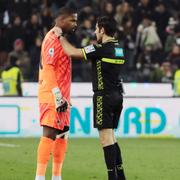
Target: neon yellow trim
(111, 40)
(113, 61)
(85, 57)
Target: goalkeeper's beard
(73, 31)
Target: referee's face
(99, 34)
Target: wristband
(57, 94)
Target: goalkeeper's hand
(60, 102)
(63, 106)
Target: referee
(107, 60)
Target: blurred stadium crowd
(149, 30)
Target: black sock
(110, 158)
(119, 167)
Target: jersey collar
(113, 40)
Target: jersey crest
(51, 52)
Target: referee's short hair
(109, 25)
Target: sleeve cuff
(84, 54)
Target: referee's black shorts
(107, 108)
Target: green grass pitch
(144, 159)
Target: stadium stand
(149, 30)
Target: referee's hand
(57, 31)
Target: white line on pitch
(8, 145)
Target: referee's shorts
(107, 108)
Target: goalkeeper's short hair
(66, 11)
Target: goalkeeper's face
(68, 24)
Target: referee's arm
(71, 51)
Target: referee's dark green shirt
(107, 60)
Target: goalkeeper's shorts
(107, 108)
(51, 118)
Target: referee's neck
(106, 39)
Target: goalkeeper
(54, 97)
(107, 61)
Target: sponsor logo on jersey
(119, 52)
